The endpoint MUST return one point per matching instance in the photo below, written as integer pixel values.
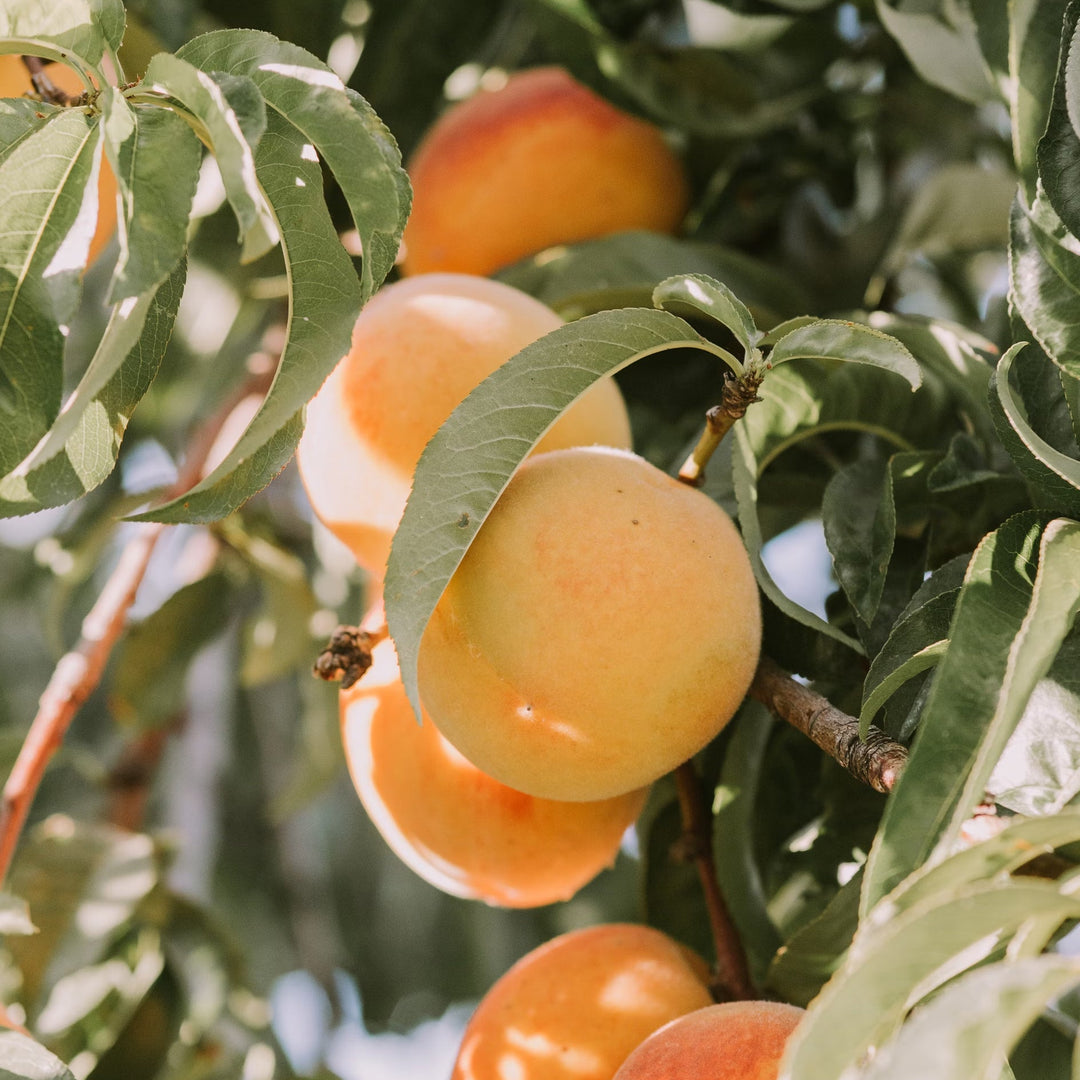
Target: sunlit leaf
(839, 340)
(82, 30)
(15, 916)
(706, 296)
(23, 1059)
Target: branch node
(346, 657)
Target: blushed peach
(541, 161)
(456, 827)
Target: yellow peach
(541, 161)
(456, 827)
(739, 1040)
(601, 629)
(574, 1008)
(418, 347)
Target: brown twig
(732, 980)
(876, 760)
(44, 87)
(79, 671)
(737, 396)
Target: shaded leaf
(966, 1032)
(81, 448)
(470, 460)
(1019, 598)
(23, 1059)
(1058, 151)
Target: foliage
(885, 232)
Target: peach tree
(862, 344)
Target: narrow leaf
(324, 300)
(969, 1029)
(836, 339)
(340, 125)
(470, 460)
(886, 972)
(155, 157)
(1058, 151)
(80, 449)
(1004, 634)
(706, 296)
(23, 1059)
(45, 228)
(206, 102)
(15, 916)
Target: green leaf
(941, 41)
(353, 142)
(1044, 287)
(20, 118)
(24, 1059)
(81, 448)
(1019, 598)
(42, 184)
(470, 460)
(1058, 151)
(886, 971)
(324, 300)
(152, 660)
(835, 339)
(859, 516)
(155, 157)
(205, 101)
(706, 296)
(967, 1031)
(15, 916)
(1063, 466)
(80, 30)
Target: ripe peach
(574, 1008)
(602, 628)
(740, 1040)
(456, 827)
(15, 82)
(541, 161)
(418, 347)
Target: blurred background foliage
(196, 850)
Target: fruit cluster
(558, 673)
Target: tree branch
(79, 671)
(877, 760)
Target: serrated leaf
(713, 299)
(1058, 152)
(81, 29)
(81, 448)
(152, 660)
(1019, 598)
(1044, 286)
(45, 227)
(470, 460)
(205, 101)
(836, 339)
(887, 971)
(943, 47)
(155, 157)
(23, 1059)
(859, 517)
(15, 916)
(1065, 467)
(346, 133)
(20, 118)
(968, 1030)
(324, 300)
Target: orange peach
(541, 161)
(15, 82)
(576, 1007)
(418, 347)
(601, 629)
(456, 827)
(740, 1040)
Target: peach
(541, 161)
(574, 1008)
(601, 629)
(740, 1040)
(456, 827)
(418, 347)
(15, 82)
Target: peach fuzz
(418, 347)
(601, 629)
(541, 161)
(739, 1040)
(575, 1008)
(457, 828)
(15, 82)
